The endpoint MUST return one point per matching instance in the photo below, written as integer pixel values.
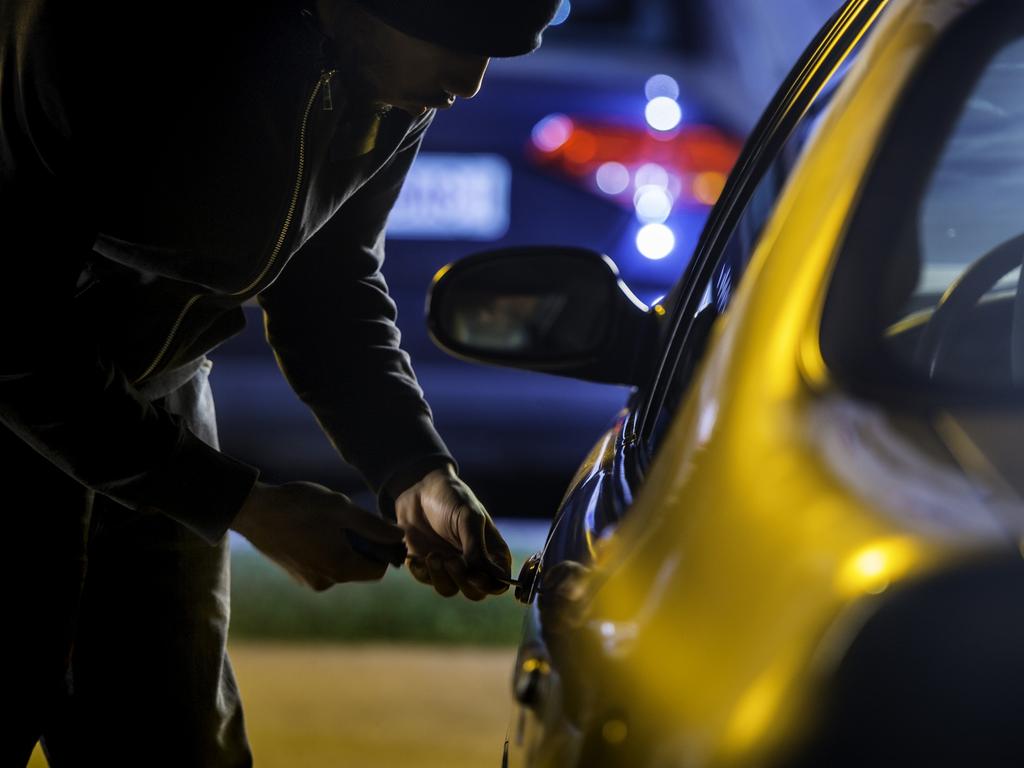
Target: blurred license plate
(453, 197)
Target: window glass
(926, 299)
(975, 199)
(732, 262)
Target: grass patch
(267, 604)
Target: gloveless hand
(302, 527)
(453, 543)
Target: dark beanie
(482, 27)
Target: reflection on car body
(799, 544)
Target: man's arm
(331, 323)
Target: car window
(926, 301)
(718, 287)
(975, 198)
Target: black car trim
(824, 56)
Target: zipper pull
(328, 101)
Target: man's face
(418, 75)
(414, 75)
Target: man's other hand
(453, 543)
(302, 527)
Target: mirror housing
(553, 309)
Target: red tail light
(693, 161)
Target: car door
(551, 681)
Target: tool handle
(394, 554)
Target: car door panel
(555, 727)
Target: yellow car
(800, 543)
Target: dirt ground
(371, 706)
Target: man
(159, 166)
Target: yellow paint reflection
(614, 731)
(536, 665)
(755, 712)
(441, 273)
(870, 569)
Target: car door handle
(531, 680)
(527, 579)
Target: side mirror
(553, 309)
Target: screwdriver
(396, 554)
(503, 579)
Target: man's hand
(453, 543)
(302, 527)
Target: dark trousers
(115, 622)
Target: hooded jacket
(159, 167)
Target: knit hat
(481, 27)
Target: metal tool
(525, 585)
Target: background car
(799, 543)
(616, 135)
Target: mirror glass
(547, 305)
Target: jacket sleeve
(58, 392)
(331, 323)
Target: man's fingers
(470, 527)
(310, 581)
(320, 536)
(485, 569)
(423, 539)
(352, 567)
(319, 583)
(439, 577)
(456, 568)
(497, 549)
(418, 569)
(446, 522)
(489, 585)
(485, 551)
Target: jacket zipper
(325, 80)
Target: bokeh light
(661, 86)
(655, 241)
(651, 175)
(663, 113)
(552, 132)
(612, 178)
(708, 186)
(653, 204)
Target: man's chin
(417, 107)
(414, 110)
